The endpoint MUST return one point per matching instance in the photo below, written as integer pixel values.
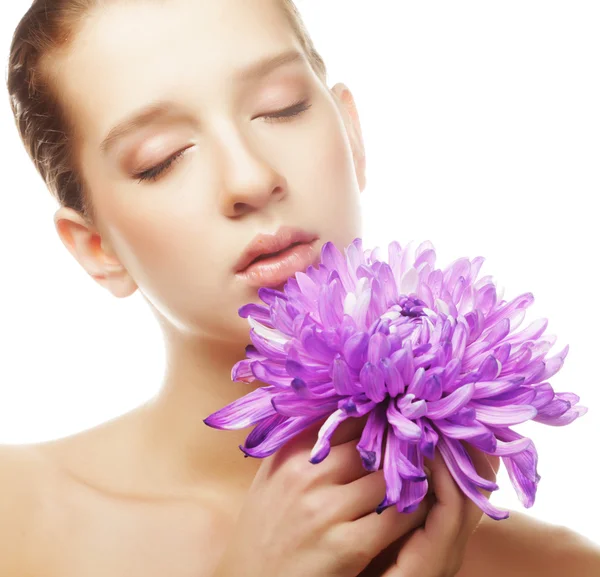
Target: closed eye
(280, 116)
(290, 112)
(154, 172)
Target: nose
(249, 179)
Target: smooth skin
(155, 492)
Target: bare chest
(101, 537)
(92, 534)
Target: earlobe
(88, 248)
(119, 283)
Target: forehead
(129, 53)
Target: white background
(482, 129)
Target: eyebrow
(162, 109)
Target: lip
(275, 270)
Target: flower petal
(485, 389)
(532, 332)
(334, 260)
(271, 349)
(331, 304)
(498, 333)
(476, 434)
(356, 406)
(525, 488)
(403, 427)
(279, 435)
(570, 397)
(489, 369)
(371, 440)
(508, 415)
(415, 410)
(343, 381)
(242, 371)
(379, 348)
(406, 467)
(269, 296)
(565, 419)
(432, 388)
(451, 455)
(263, 372)
(263, 430)
(323, 445)
(259, 312)
(283, 314)
(453, 402)
(411, 495)
(554, 364)
(451, 372)
(512, 447)
(312, 373)
(292, 405)
(522, 301)
(554, 408)
(464, 416)
(393, 480)
(243, 412)
(393, 378)
(371, 378)
(363, 302)
(355, 350)
(416, 384)
(274, 336)
(315, 346)
(523, 395)
(428, 441)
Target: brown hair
(42, 120)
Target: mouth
(269, 255)
(270, 260)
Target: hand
(300, 519)
(437, 548)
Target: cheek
(166, 254)
(158, 231)
(180, 264)
(333, 191)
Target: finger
(387, 557)
(344, 464)
(494, 462)
(349, 430)
(362, 496)
(424, 553)
(432, 546)
(301, 445)
(375, 532)
(445, 519)
(487, 467)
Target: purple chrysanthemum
(429, 355)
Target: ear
(345, 101)
(93, 252)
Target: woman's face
(235, 172)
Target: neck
(197, 383)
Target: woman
(175, 134)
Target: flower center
(411, 306)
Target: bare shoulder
(522, 546)
(34, 481)
(21, 485)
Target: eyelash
(280, 116)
